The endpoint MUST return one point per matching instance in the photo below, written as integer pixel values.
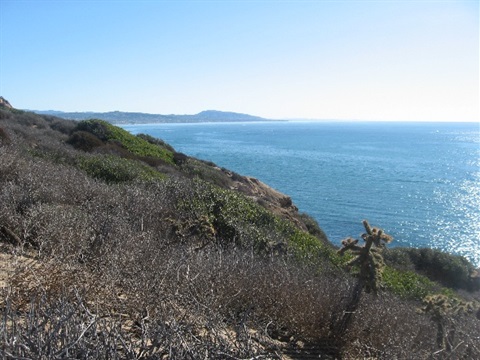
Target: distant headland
(120, 117)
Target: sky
(353, 60)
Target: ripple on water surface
(419, 181)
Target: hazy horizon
(266, 119)
(308, 60)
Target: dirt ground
(10, 261)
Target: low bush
(5, 114)
(314, 229)
(64, 126)
(138, 146)
(450, 270)
(124, 262)
(84, 141)
(4, 138)
(113, 169)
(156, 141)
(408, 284)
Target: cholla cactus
(368, 257)
(442, 308)
(441, 305)
(370, 262)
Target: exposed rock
(270, 198)
(4, 103)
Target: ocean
(420, 182)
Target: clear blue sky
(370, 60)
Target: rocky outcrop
(268, 197)
(4, 103)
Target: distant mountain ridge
(120, 117)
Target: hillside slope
(117, 246)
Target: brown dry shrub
(4, 137)
(387, 327)
(84, 141)
(226, 301)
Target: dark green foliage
(204, 170)
(224, 216)
(155, 141)
(179, 158)
(230, 215)
(314, 229)
(114, 136)
(99, 128)
(449, 270)
(408, 284)
(114, 169)
(84, 140)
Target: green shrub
(138, 146)
(114, 169)
(155, 141)
(99, 128)
(314, 229)
(234, 217)
(407, 284)
(447, 269)
(308, 247)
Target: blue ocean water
(418, 181)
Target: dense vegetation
(117, 246)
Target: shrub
(385, 327)
(203, 170)
(156, 141)
(179, 158)
(314, 229)
(450, 270)
(99, 128)
(408, 284)
(84, 141)
(118, 138)
(29, 119)
(134, 144)
(4, 138)
(5, 114)
(64, 126)
(113, 169)
(179, 268)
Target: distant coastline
(207, 116)
(120, 117)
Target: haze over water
(418, 181)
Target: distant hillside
(120, 117)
